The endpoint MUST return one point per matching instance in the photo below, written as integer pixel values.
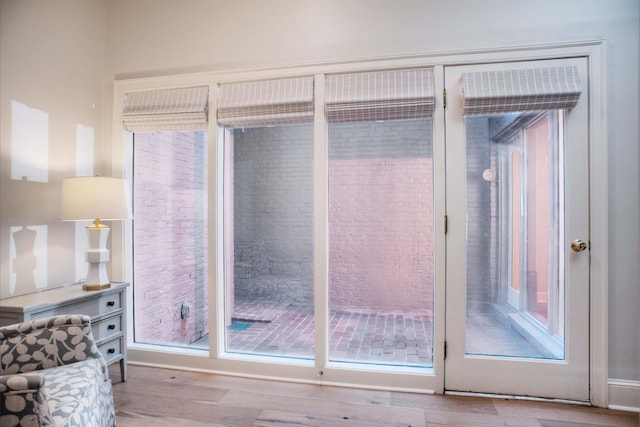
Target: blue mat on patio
(239, 326)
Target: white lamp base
(97, 256)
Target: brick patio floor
(401, 338)
(355, 335)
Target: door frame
(594, 50)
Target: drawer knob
(111, 327)
(111, 303)
(111, 350)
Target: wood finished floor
(163, 397)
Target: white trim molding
(624, 395)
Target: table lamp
(95, 198)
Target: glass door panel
(508, 314)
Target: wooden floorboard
(165, 397)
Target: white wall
(52, 59)
(52, 63)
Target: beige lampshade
(94, 197)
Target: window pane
(381, 242)
(268, 217)
(515, 229)
(170, 238)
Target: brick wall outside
(499, 270)
(170, 236)
(273, 214)
(380, 234)
(380, 215)
(481, 253)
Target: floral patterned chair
(52, 374)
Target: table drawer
(110, 303)
(111, 349)
(94, 307)
(106, 328)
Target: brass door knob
(578, 245)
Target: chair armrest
(22, 399)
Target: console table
(106, 308)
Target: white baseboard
(624, 395)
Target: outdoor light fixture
(89, 198)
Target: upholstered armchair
(52, 374)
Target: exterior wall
(170, 237)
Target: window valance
(166, 109)
(512, 91)
(380, 95)
(267, 102)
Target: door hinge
(445, 349)
(444, 98)
(446, 224)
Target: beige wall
(53, 59)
